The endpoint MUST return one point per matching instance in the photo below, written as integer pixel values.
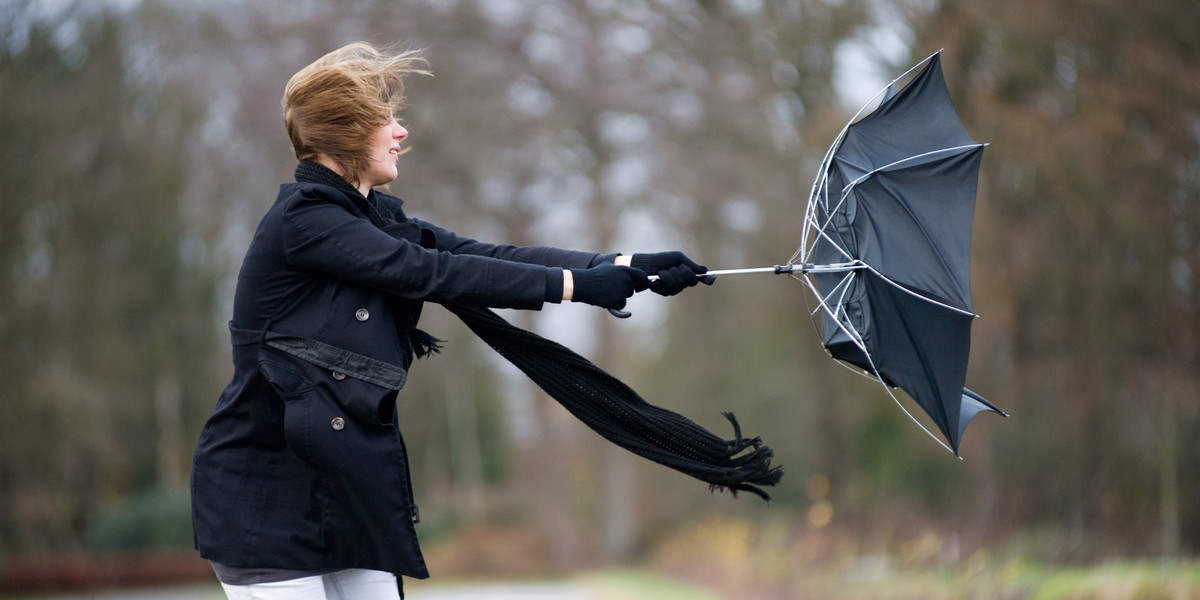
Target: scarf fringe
(424, 345)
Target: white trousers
(349, 584)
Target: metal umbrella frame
(832, 272)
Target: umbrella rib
(821, 229)
(843, 286)
(821, 182)
(912, 418)
(841, 289)
(939, 303)
(953, 149)
(822, 233)
(857, 338)
(820, 188)
(846, 193)
(885, 88)
(849, 330)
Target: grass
(740, 559)
(1120, 580)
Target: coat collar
(375, 207)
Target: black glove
(675, 271)
(607, 285)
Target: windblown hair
(332, 106)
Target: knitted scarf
(618, 413)
(601, 401)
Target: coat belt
(324, 355)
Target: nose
(398, 131)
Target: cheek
(382, 156)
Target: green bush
(151, 520)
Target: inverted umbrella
(886, 248)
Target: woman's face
(385, 153)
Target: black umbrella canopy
(893, 211)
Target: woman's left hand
(675, 271)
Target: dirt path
(552, 590)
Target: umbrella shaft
(775, 269)
(779, 269)
(795, 268)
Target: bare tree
(1090, 240)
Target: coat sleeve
(448, 241)
(321, 234)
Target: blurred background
(141, 140)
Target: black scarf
(601, 401)
(314, 172)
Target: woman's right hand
(606, 285)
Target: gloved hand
(607, 285)
(675, 271)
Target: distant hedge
(151, 520)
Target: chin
(385, 178)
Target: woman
(300, 482)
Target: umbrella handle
(777, 269)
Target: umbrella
(886, 248)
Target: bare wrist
(568, 285)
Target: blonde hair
(332, 106)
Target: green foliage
(894, 463)
(157, 519)
(108, 299)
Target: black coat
(301, 464)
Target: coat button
(362, 314)
(338, 375)
(338, 423)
